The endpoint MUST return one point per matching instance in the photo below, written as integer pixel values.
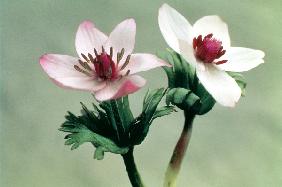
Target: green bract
(240, 81)
(111, 127)
(140, 127)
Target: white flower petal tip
(89, 37)
(130, 21)
(174, 26)
(129, 24)
(165, 8)
(242, 59)
(42, 60)
(123, 37)
(86, 24)
(120, 88)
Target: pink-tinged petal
(88, 37)
(174, 26)
(120, 88)
(212, 24)
(123, 36)
(241, 59)
(60, 69)
(220, 85)
(143, 62)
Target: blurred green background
(229, 147)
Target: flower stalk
(174, 165)
(131, 169)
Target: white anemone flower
(206, 46)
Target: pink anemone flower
(206, 46)
(106, 66)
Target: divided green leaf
(93, 127)
(140, 126)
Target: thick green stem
(131, 169)
(179, 151)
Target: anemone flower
(206, 46)
(105, 66)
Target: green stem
(179, 151)
(131, 169)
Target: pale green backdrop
(229, 147)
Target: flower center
(104, 66)
(208, 49)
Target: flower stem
(179, 151)
(131, 169)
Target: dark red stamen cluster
(105, 67)
(208, 49)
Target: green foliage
(140, 126)
(183, 99)
(162, 111)
(111, 127)
(81, 134)
(240, 81)
(185, 90)
(79, 129)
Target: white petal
(60, 69)
(212, 24)
(187, 51)
(241, 59)
(143, 62)
(123, 36)
(220, 85)
(120, 88)
(174, 27)
(88, 37)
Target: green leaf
(168, 70)
(140, 126)
(81, 134)
(125, 107)
(71, 117)
(179, 72)
(94, 127)
(99, 153)
(183, 98)
(240, 81)
(151, 101)
(120, 117)
(182, 74)
(207, 101)
(162, 111)
(111, 117)
(190, 71)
